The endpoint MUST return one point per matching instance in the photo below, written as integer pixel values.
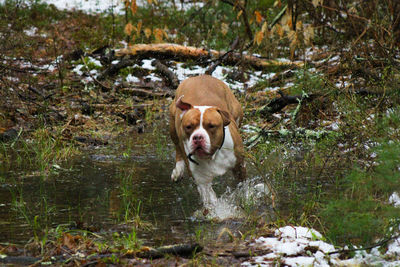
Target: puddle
(98, 191)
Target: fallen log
(277, 104)
(183, 250)
(110, 107)
(170, 76)
(114, 68)
(175, 51)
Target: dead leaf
(128, 28)
(264, 27)
(278, 3)
(134, 6)
(279, 30)
(70, 241)
(293, 44)
(239, 14)
(139, 27)
(147, 32)
(224, 28)
(299, 24)
(259, 36)
(292, 35)
(286, 18)
(259, 17)
(158, 34)
(308, 34)
(316, 2)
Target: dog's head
(202, 128)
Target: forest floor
(310, 123)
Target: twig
(220, 59)
(144, 93)
(278, 17)
(365, 248)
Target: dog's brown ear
(183, 105)
(226, 116)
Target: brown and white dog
(204, 121)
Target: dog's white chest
(222, 161)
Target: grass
(351, 173)
(128, 241)
(39, 152)
(39, 216)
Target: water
(104, 192)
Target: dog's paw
(177, 173)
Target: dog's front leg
(178, 171)
(207, 194)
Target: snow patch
(31, 31)
(290, 245)
(394, 199)
(90, 6)
(132, 79)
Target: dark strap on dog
(222, 143)
(223, 138)
(192, 160)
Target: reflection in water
(100, 192)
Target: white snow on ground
(293, 246)
(116, 6)
(132, 79)
(153, 77)
(301, 246)
(146, 64)
(90, 6)
(182, 72)
(289, 245)
(95, 61)
(395, 199)
(31, 32)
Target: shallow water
(101, 191)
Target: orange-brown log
(175, 51)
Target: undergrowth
(339, 184)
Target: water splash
(248, 195)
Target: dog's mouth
(200, 152)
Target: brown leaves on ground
(77, 243)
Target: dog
(205, 118)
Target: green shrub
(359, 212)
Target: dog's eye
(210, 126)
(188, 127)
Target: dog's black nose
(197, 138)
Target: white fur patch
(188, 144)
(177, 173)
(222, 161)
